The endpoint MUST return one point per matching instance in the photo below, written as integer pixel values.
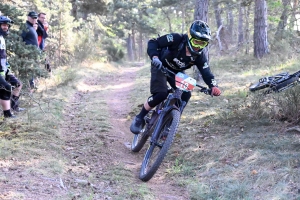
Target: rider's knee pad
(157, 98)
(5, 95)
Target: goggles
(198, 43)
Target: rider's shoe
(10, 116)
(19, 109)
(137, 125)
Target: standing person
(42, 35)
(177, 52)
(30, 36)
(42, 30)
(5, 87)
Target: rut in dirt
(94, 161)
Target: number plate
(184, 82)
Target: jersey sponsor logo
(179, 63)
(150, 99)
(170, 38)
(170, 64)
(213, 82)
(2, 43)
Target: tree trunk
(260, 37)
(183, 8)
(133, 41)
(294, 16)
(230, 22)
(221, 29)
(247, 29)
(129, 48)
(283, 20)
(141, 46)
(201, 13)
(201, 10)
(241, 26)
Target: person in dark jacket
(42, 30)
(176, 52)
(42, 35)
(29, 35)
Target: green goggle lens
(198, 43)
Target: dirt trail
(86, 163)
(119, 109)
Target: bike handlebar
(203, 89)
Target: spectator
(42, 35)
(29, 35)
(35, 26)
(5, 87)
(42, 30)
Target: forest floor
(93, 143)
(75, 144)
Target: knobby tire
(258, 86)
(155, 153)
(287, 83)
(139, 140)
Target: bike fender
(170, 108)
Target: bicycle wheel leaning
(160, 146)
(291, 82)
(140, 139)
(258, 86)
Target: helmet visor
(198, 43)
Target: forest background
(256, 136)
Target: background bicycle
(276, 83)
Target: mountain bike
(277, 83)
(162, 123)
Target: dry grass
(232, 147)
(227, 147)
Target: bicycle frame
(169, 105)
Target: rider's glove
(8, 65)
(8, 72)
(215, 91)
(156, 62)
(2, 73)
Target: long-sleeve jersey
(171, 50)
(3, 56)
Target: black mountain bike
(277, 83)
(161, 125)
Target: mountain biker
(176, 52)
(5, 87)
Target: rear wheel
(159, 148)
(286, 84)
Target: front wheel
(160, 145)
(258, 86)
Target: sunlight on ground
(105, 67)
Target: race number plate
(184, 82)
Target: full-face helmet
(198, 37)
(5, 20)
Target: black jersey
(171, 50)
